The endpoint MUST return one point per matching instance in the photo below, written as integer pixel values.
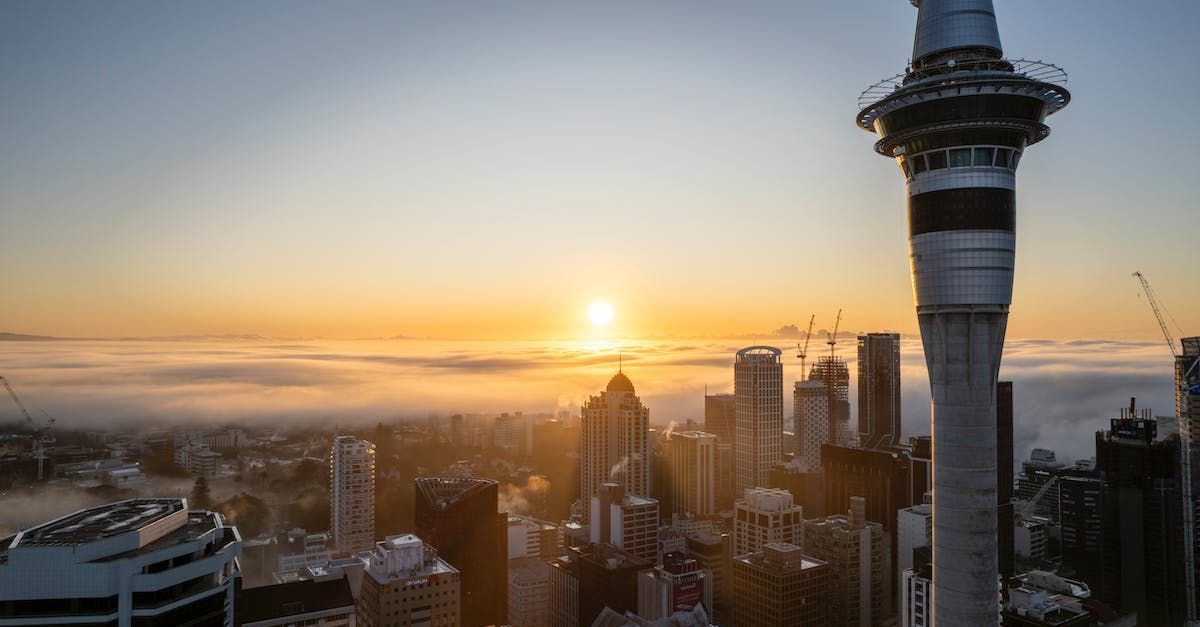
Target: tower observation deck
(957, 122)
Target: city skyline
(385, 182)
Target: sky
(486, 170)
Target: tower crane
(1025, 509)
(40, 437)
(804, 349)
(833, 336)
(1162, 324)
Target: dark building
(589, 578)
(720, 416)
(1004, 478)
(1141, 520)
(458, 517)
(713, 552)
(878, 390)
(807, 488)
(1080, 531)
(883, 478)
(833, 372)
(304, 602)
(920, 454)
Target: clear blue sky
(489, 168)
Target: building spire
(948, 26)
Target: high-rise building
(1005, 512)
(405, 582)
(780, 586)
(811, 410)
(914, 529)
(713, 552)
(325, 602)
(1080, 527)
(691, 472)
(1187, 409)
(135, 562)
(590, 578)
(916, 589)
(758, 388)
(835, 374)
(881, 477)
(957, 123)
(1141, 520)
(1041, 468)
(352, 494)
(878, 390)
(513, 433)
(678, 585)
(859, 561)
(614, 444)
(457, 516)
(720, 419)
(764, 516)
(626, 521)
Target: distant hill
(18, 337)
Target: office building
(810, 408)
(528, 592)
(407, 583)
(678, 585)
(530, 537)
(1080, 527)
(720, 418)
(764, 516)
(713, 552)
(880, 477)
(328, 603)
(957, 124)
(914, 529)
(352, 494)
(513, 433)
(916, 589)
(626, 521)
(758, 439)
(457, 517)
(806, 487)
(833, 372)
(136, 562)
(779, 586)
(1030, 536)
(859, 558)
(1141, 520)
(691, 458)
(1040, 469)
(878, 390)
(614, 444)
(590, 578)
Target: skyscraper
(758, 388)
(720, 418)
(766, 515)
(1187, 408)
(691, 464)
(833, 372)
(957, 122)
(810, 406)
(859, 565)
(613, 441)
(878, 389)
(626, 521)
(352, 494)
(457, 516)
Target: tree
(247, 512)
(201, 497)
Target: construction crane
(40, 437)
(1025, 509)
(833, 336)
(804, 349)
(1162, 324)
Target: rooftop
(620, 383)
(97, 523)
(289, 599)
(442, 492)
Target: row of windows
(979, 156)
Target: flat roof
(97, 523)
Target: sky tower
(957, 122)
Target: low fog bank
(1064, 391)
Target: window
(937, 160)
(960, 157)
(983, 156)
(918, 164)
(1001, 158)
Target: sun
(600, 314)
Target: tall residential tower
(352, 494)
(878, 390)
(957, 122)
(758, 389)
(614, 443)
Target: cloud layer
(1064, 390)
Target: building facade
(859, 558)
(810, 408)
(780, 587)
(765, 516)
(878, 390)
(614, 443)
(352, 494)
(143, 562)
(835, 374)
(406, 583)
(758, 439)
(626, 521)
(678, 585)
(692, 466)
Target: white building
(197, 459)
(513, 433)
(1029, 537)
(137, 561)
(764, 516)
(914, 528)
(691, 460)
(916, 593)
(614, 445)
(306, 549)
(406, 583)
(626, 521)
(811, 412)
(352, 494)
(758, 397)
(530, 537)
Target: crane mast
(1162, 324)
(804, 349)
(833, 336)
(41, 437)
